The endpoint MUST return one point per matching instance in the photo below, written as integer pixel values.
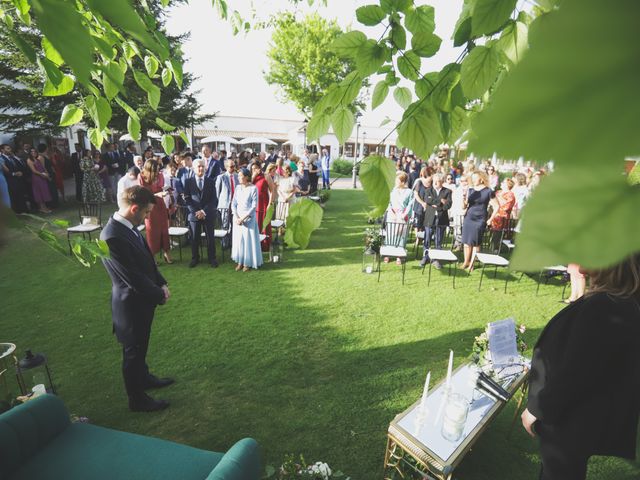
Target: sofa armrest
(27, 428)
(241, 462)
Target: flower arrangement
(373, 238)
(297, 469)
(480, 350)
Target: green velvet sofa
(38, 441)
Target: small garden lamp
(277, 249)
(33, 374)
(369, 258)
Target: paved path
(343, 183)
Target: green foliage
(343, 122)
(402, 95)
(409, 65)
(490, 15)
(585, 203)
(513, 41)
(304, 217)
(168, 143)
(425, 44)
(420, 128)
(420, 20)
(479, 71)
(268, 216)
(342, 167)
(377, 175)
(380, 93)
(634, 175)
(70, 115)
(304, 58)
(370, 15)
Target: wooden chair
(90, 216)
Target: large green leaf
(380, 93)
(52, 72)
(66, 85)
(402, 96)
(409, 65)
(489, 15)
(342, 122)
(462, 29)
(167, 76)
(350, 87)
(268, 216)
(50, 52)
(61, 23)
(420, 129)
(133, 127)
(420, 20)
(151, 64)
(513, 41)
(448, 80)
(377, 175)
(398, 36)
(425, 85)
(99, 110)
(176, 70)
(425, 44)
(71, 115)
(304, 217)
(458, 124)
(370, 57)
(479, 70)
(95, 137)
(112, 79)
(122, 14)
(24, 46)
(167, 127)
(153, 92)
(127, 108)
(391, 6)
(318, 126)
(168, 144)
(573, 214)
(370, 15)
(347, 44)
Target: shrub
(343, 167)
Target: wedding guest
(302, 178)
(92, 189)
(138, 161)
(313, 173)
(494, 178)
(419, 189)
(325, 165)
(39, 180)
(287, 187)
(400, 206)
(16, 178)
(103, 174)
(475, 219)
(413, 174)
(202, 202)
(280, 167)
(226, 185)
(245, 250)
(502, 206)
(43, 151)
(584, 382)
(5, 198)
(521, 193)
(157, 223)
(264, 200)
(449, 182)
(458, 209)
(129, 180)
(436, 217)
(147, 155)
(115, 165)
(58, 166)
(272, 179)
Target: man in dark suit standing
(138, 287)
(202, 202)
(16, 179)
(77, 171)
(436, 216)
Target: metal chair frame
(90, 209)
(179, 220)
(395, 235)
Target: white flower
(320, 468)
(522, 329)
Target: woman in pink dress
(157, 223)
(39, 180)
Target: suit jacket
(585, 377)
(440, 214)
(128, 159)
(136, 282)
(214, 169)
(197, 200)
(223, 189)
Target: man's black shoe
(193, 263)
(147, 404)
(155, 382)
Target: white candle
(369, 269)
(425, 392)
(449, 369)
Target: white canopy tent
(261, 140)
(218, 138)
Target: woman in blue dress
(4, 187)
(245, 247)
(475, 220)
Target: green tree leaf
(459, 122)
(425, 44)
(462, 29)
(268, 216)
(176, 70)
(448, 80)
(377, 175)
(350, 87)
(399, 36)
(99, 110)
(167, 76)
(513, 41)
(304, 217)
(151, 65)
(342, 122)
(104, 47)
(50, 52)
(370, 15)
(402, 95)
(112, 79)
(167, 127)
(479, 70)
(66, 85)
(67, 34)
(489, 15)
(370, 57)
(133, 127)
(130, 111)
(53, 73)
(420, 129)
(95, 137)
(420, 20)
(71, 115)
(409, 65)
(390, 6)
(184, 138)
(425, 85)
(347, 44)
(380, 93)
(26, 49)
(153, 92)
(318, 126)
(168, 143)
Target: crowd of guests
(31, 180)
(471, 200)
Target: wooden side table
(420, 451)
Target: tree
(300, 61)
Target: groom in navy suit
(137, 289)
(202, 202)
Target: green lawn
(311, 356)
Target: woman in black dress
(584, 386)
(475, 220)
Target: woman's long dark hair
(621, 280)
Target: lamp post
(306, 122)
(356, 153)
(364, 136)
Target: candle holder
(455, 417)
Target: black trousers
(196, 230)
(562, 458)
(436, 231)
(78, 178)
(134, 359)
(18, 194)
(313, 182)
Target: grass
(309, 356)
